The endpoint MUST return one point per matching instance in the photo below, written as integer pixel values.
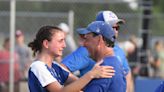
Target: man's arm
(76, 60)
(130, 84)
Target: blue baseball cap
(81, 30)
(109, 17)
(100, 28)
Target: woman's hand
(102, 71)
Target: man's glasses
(81, 36)
(116, 28)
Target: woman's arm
(73, 87)
(71, 78)
(96, 72)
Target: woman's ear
(45, 43)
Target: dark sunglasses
(81, 36)
(116, 27)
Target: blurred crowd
(155, 57)
(22, 60)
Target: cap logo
(109, 16)
(98, 30)
(112, 15)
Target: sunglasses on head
(116, 27)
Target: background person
(158, 58)
(24, 53)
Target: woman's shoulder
(37, 65)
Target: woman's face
(57, 44)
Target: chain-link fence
(32, 14)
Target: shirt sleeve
(119, 81)
(120, 54)
(126, 67)
(76, 60)
(42, 74)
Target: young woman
(46, 76)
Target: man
(5, 65)
(99, 39)
(112, 19)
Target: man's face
(81, 40)
(91, 43)
(116, 29)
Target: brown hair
(44, 33)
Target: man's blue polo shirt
(115, 84)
